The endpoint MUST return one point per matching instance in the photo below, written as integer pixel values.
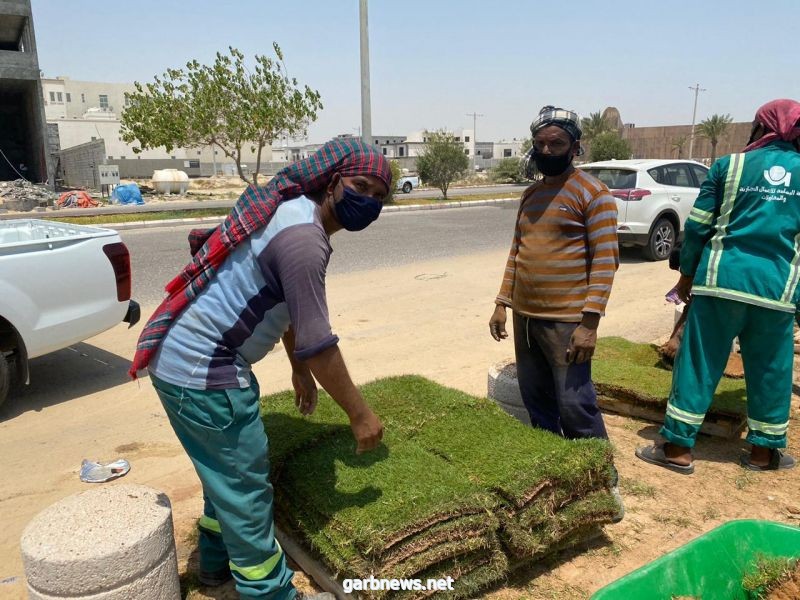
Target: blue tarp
(127, 194)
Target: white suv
(654, 198)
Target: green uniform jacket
(742, 238)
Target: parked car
(59, 284)
(407, 183)
(654, 198)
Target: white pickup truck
(59, 284)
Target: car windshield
(615, 179)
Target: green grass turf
(632, 371)
(426, 500)
(588, 513)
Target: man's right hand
(497, 324)
(367, 430)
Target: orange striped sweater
(565, 253)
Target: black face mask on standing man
(552, 165)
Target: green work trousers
(222, 432)
(765, 338)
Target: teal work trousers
(222, 432)
(765, 338)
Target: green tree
(224, 105)
(594, 126)
(526, 145)
(609, 145)
(678, 143)
(507, 170)
(713, 128)
(442, 160)
(396, 175)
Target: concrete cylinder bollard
(503, 388)
(110, 543)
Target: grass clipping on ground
(634, 372)
(458, 487)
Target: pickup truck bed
(59, 284)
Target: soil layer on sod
(457, 488)
(635, 373)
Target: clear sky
(434, 61)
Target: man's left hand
(582, 344)
(305, 391)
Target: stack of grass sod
(456, 489)
(631, 378)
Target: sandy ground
(429, 318)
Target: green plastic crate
(710, 567)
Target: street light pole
(474, 116)
(366, 109)
(697, 89)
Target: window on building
(198, 153)
(466, 151)
(194, 164)
(401, 150)
(377, 142)
(93, 138)
(60, 96)
(466, 138)
(458, 139)
(127, 100)
(506, 152)
(424, 140)
(384, 151)
(83, 98)
(478, 152)
(52, 96)
(69, 97)
(104, 101)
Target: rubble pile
(24, 196)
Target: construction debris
(24, 196)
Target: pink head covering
(781, 118)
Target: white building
(507, 148)
(85, 111)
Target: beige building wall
(659, 142)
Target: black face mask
(552, 165)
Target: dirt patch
(788, 589)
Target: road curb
(388, 209)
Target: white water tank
(170, 181)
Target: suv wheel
(661, 242)
(407, 187)
(5, 378)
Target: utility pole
(474, 116)
(366, 109)
(697, 89)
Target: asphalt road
(400, 238)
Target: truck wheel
(661, 242)
(407, 187)
(5, 378)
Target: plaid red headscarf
(253, 210)
(781, 118)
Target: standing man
(557, 281)
(260, 277)
(740, 262)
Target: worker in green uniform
(740, 262)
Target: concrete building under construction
(23, 131)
